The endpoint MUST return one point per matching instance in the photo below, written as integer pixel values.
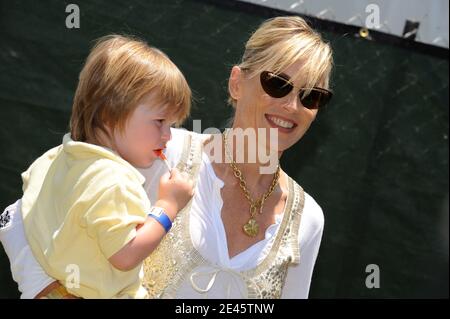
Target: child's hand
(175, 191)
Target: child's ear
(234, 83)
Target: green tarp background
(376, 159)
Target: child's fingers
(177, 175)
(186, 177)
(165, 177)
(174, 173)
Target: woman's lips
(282, 124)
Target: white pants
(26, 271)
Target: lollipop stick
(163, 157)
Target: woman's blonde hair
(118, 72)
(282, 41)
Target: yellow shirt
(81, 204)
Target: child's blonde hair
(282, 41)
(118, 72)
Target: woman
(243, 233)
(246, 234)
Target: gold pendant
(251, 228)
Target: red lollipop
(163, 157)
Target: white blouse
(208, 236)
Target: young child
(84, 207)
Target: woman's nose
(292, 102)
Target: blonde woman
(246, 234)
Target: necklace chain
(251, 228)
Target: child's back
(86, 210)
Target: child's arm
(174, 194)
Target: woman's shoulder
(177, 143)
(312, 217)
(175, 146)
(313, 212)
(312, 222)
(180, 134)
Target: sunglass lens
(315, 99)
(275, 86)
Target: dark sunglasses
(278, 86)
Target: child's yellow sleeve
(112, 216)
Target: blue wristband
(160, 215)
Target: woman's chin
(285, 144)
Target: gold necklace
(251, 228)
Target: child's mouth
(159, 153)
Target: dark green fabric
(376, 159)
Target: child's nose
(166, 134)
